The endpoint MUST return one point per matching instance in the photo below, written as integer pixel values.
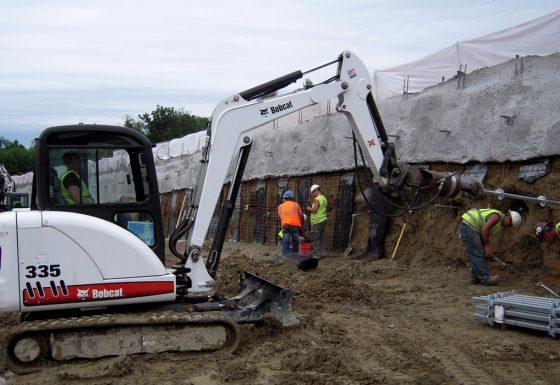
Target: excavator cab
(103, 171)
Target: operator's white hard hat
(314, 187)
(515, 218)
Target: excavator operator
(73, 188)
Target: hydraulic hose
(404, 209)
(177, 234)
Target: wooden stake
(398, 241)
(180, 217)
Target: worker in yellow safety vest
(476, 227)
(318, 212)
(72, 187)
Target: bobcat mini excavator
(88, 278)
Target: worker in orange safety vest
(291, 223)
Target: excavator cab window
(139, 223)
(17, 200)
(101, 176)
(104, 171)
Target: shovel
(501, 261)
(303, 262)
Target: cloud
(98, 61)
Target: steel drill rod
(510, 313)
(482, 317)
(514, 302)
(529, 325)
(517, 313)
(539, 308)
(554, 292)
(535, 302)
(501, 194)
(520, 301)
(522, 306)
(530, 316)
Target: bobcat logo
(264, 112)
(83, 294)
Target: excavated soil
(403, 319)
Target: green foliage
(166, 123)
(15, 157)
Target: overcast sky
(69, 61)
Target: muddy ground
(403, 319)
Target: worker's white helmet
(305, 217)
(314, 187)
(515, 218)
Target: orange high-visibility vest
(290, 214)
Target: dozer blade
(262, 300)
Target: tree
(165, 123)
(15, 157)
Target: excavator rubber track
(32, 345)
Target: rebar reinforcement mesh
(255, 219)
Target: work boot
(492, 281)
(473, 279)
(370, 255)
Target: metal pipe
(523, 306)
(527, 316)
(446, 206)
(319, 67)
(537, 304)
(545, 302)
(528, 299)
(539, 313)
(501, 194)
(529, 325)
(540, 284)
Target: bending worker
(475, 231)
(291, 223)
(318, 221)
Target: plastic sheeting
(181, 146)
(537, 37)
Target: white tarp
(537, 37)
(181, 146)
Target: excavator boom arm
(235, 119)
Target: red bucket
(305, 248)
